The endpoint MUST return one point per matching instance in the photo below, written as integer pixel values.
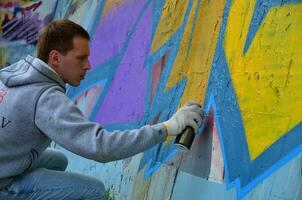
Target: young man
(34, 111)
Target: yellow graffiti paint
(267, 78)
(195, 62)
(172, 16)
(179, 69)
(194, 59)
(3, 57)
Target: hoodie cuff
(162, 131)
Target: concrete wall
(240, 59)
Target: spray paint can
(184, 140)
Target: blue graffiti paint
(164, 103)
(241, 172)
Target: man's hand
(188, 115)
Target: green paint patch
(109, 195)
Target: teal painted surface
(191, 187)
(117, 176)
(285, 184)
(162, 183)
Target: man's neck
(48, 66)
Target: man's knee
(57, 159)
(62, 162)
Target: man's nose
(88, 65)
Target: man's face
(73, 66)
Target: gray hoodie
(34, 111)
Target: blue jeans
(47, 180)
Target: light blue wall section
(284, 184)
(170, 183)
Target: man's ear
(54, 58)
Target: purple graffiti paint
(26, 29)
(125, 100)
(113, 30)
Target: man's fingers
(197, 118)
(194, 118)
(194, 125)
(191, 103)
(197, 109)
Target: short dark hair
(58, 35)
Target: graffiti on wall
(260, 52)
(237, 58)
(79, 11)
(20, 23)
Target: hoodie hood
(29, 71)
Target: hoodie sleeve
(58, 118)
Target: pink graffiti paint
(3, 93)
(157, 70)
